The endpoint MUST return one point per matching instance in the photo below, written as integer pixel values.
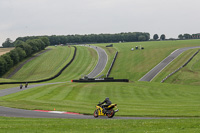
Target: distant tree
(8, 43)
(91, 38)
(3, 66)
(9, 61)
(21, 53)
(162, 37)
(40, 44)
(14, 56)
(141, 38)
(147, 36)
(155, 36)
(18, 42)
(45, 40)
(187, 36)
(27, 48)
(33, 45)
(180, 36)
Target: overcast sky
(62, 17)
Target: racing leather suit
(107, 101)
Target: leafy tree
(141, 38)
(162, 37)
(18, 42)
(187, 36)
(9, 61)
(40, 44)
(14, 56)
(8, 43)
(45, 40)
(3, 66)
(155, 36)
(27, 48)
(21, 53)
(33, 45)
(180, 36)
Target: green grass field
(191, 70)
(32, 125)
(135, 64)
(84, 62)
(135, 98)
(190, 74)
(46, 65)
(49, 64)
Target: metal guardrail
(108, 73)
(180, 67)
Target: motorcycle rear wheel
(111, 113)
(96, 113)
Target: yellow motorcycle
(109, 111)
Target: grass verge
(30, 125)
(133, 99)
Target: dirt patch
(1, 53)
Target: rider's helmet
(107, 98)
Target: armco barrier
(48, 79)
(180, 67)
(107, 75)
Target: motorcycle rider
(107, 103)
(21, 86)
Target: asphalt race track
(157, 69)
(102, 61)
(13, 112)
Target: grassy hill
(190, 74)
(135, 64)
(45, 65)
(51, 62)
(84, 62)
(134, 98)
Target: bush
(3, 66)
(8, 60)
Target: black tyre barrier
(180, 67)
(48, 79)
(107, 75)
(100, 80)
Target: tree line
(93, 38)
(189, 36)
(22, 50)
(180, 36)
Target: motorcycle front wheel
(96, 113)
(111, 113)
